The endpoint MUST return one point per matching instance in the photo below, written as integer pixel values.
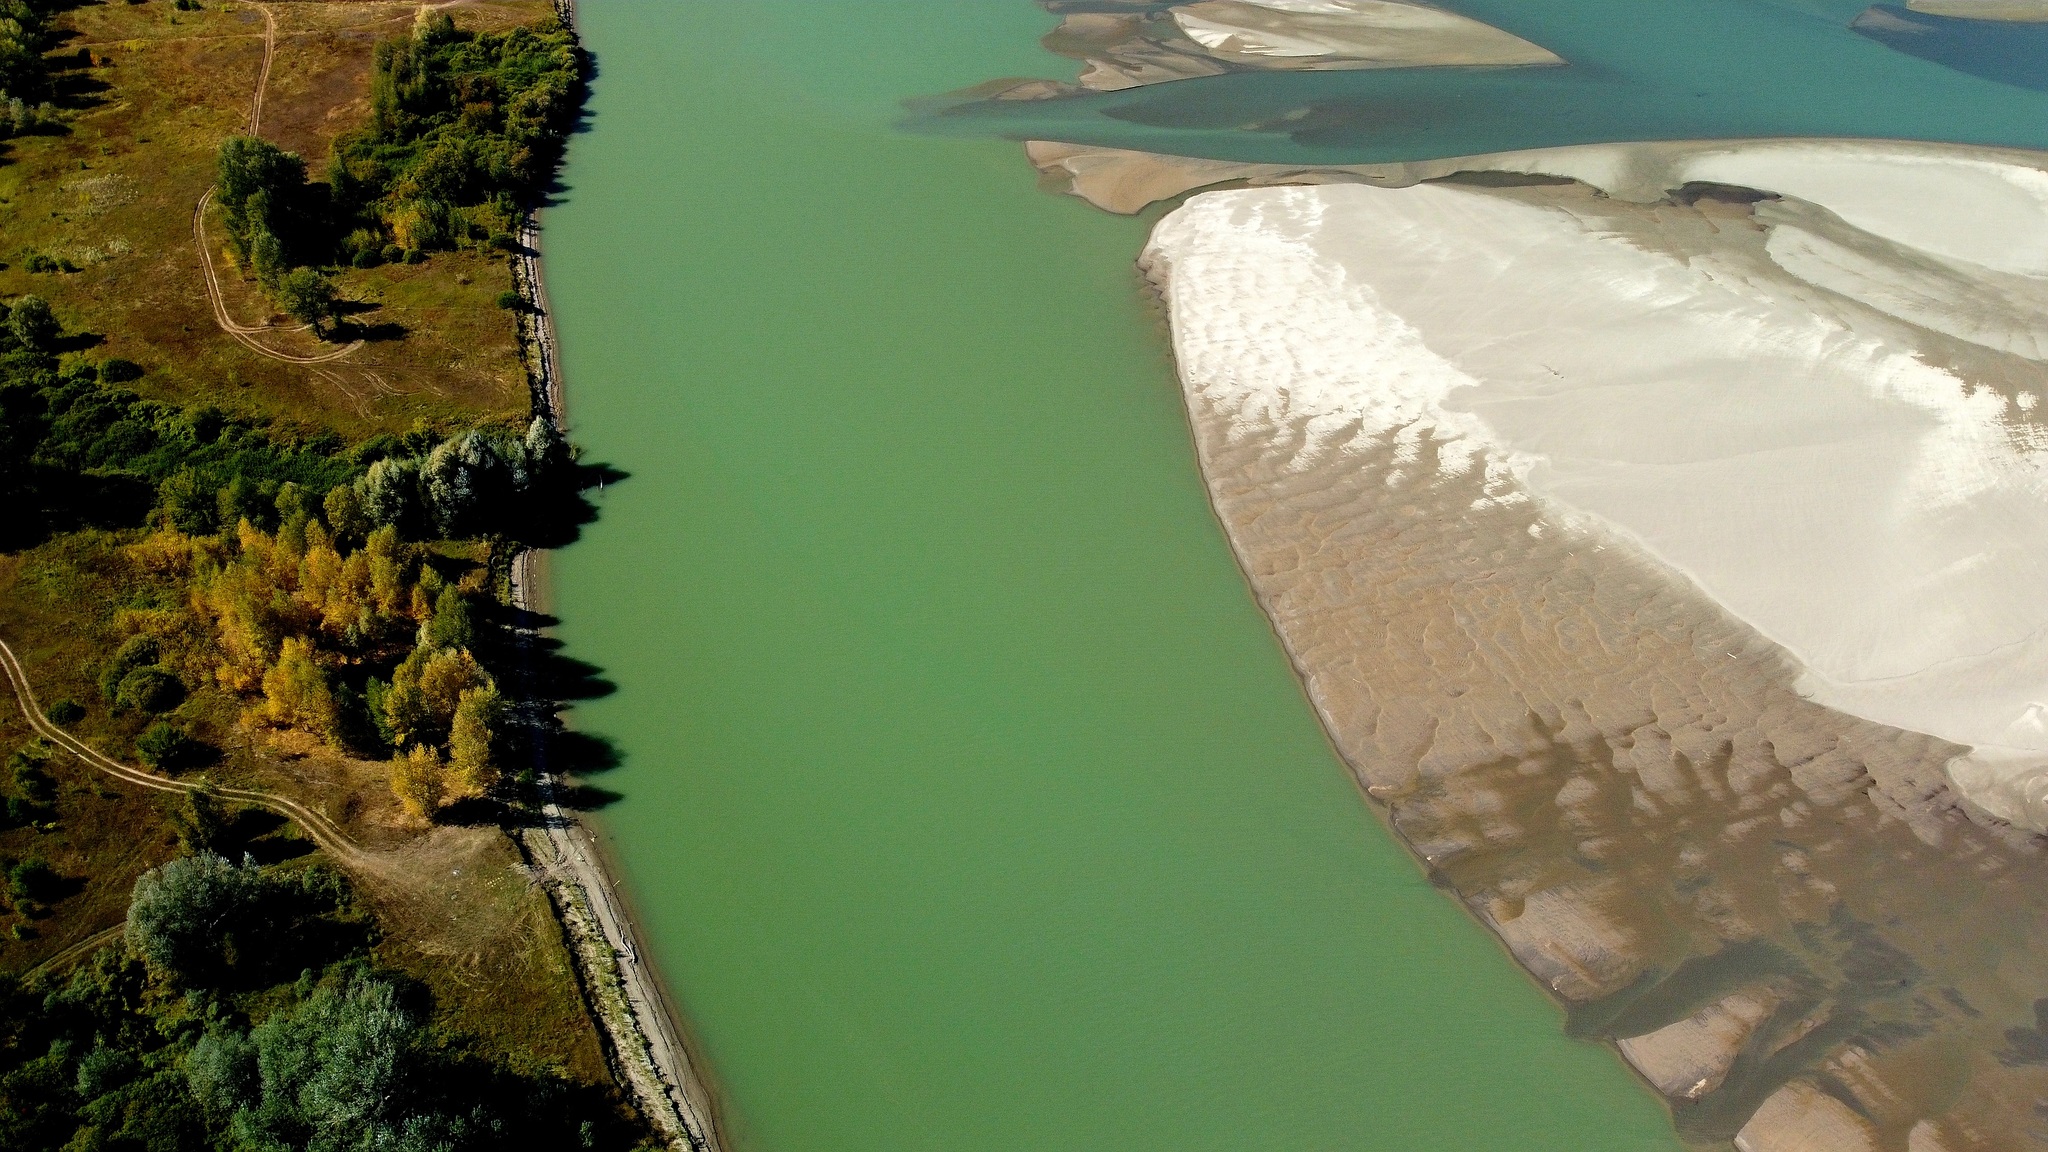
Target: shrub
(167, 749)
(152, 689)
(32, 881)
(65, 712)
(115, 370)
(35, 791)
(510, 301)
(134, 652)
(200, 825)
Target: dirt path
(78, 951)
(245, 334)
(323, 831)
(263, 77)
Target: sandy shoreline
(1753, 894)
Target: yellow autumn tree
(419, 780)
(239, 601)
(471, 769)
(387, 571)
(425, 691)
(320, 578)
(295, 691)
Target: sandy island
(1130, 43)
(1661, 535)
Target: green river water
(966, 798)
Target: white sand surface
(1348, 33)
(1882, 518)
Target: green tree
(308, 297)
(345, 516)
(188, 918)
(258, 186)
(450, 626)
(472, 738)
(32, 324)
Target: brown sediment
(1775, 910)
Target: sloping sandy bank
(1627, 559)
(1882, 517)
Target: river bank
(1573, 719)
(644, 1039)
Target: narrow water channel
(968, 801)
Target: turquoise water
(1636, 70)
(965, 796)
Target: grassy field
(113, 197)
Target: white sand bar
(1752, 426)
(1311, 34)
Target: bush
(510, 301)
(200, 825)
(134, 652)
(118, 371)
(150, 690)
(65, 712)
(167, 749)
(32, 881)
(35, 791)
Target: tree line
(242, 1012)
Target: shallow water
(1674, 70)
(967, 799)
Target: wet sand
(1780, 911)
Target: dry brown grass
(115, 196)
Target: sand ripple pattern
(1775, 910)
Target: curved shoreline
(642, 1033)
(1624, 786)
